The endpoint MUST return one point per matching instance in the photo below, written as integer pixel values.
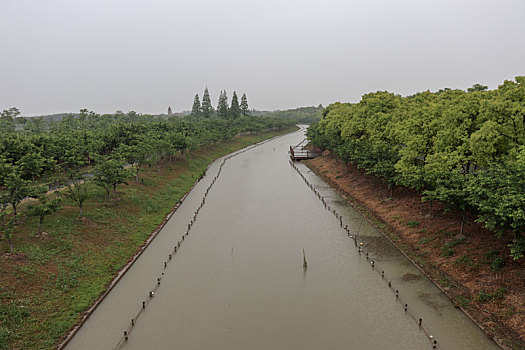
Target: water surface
(238, 281)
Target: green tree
(7, 120)
(6, 219)
(7, 229)
(77, 191)
(138, 154)
(109, 173)
(35, 125)
(32, 164)
(498, 196)
(17, 188)
(477, 87)
(179, 143)
(245, 111)
(45, 206)
(234, 111)
(207, 108)
(196, 109)
(222, 105)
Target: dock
(299, 152)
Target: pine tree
(244, 106)
(235, 110)
(222, 105)
(196, 110)
(206, 107)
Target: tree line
(302, 115)
(465, 149)
(233, 111)
(113, 148)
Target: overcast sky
(146, 55)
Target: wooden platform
(298, 152)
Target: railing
(299, 153)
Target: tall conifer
(245, 111)
(196, 110)
(206, 107)
(235, 110)
(222, 105)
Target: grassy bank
(473, 268)
(52, 279)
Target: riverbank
(50, 282)
(472, 268)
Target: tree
(196, 110)
(179, 143)
(109, 173)
(7, 120)
(477, 87)
(138, 154)
(77, 191)
(6, 229)
(449, 187)
(245, 111)
(498, 196)
(17, 188)
(234, 111)
(44, 207)
(6, 219)
(206, 107)
(32, 164)
(222, 105)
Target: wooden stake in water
(305, 264)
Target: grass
(485, 297)
(494, 260)
(462, 301)
(448, 249)
(45, 289)
(413, 224)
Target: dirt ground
(473, 267)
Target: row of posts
(177, 246)
(361, 248)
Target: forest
(303, 115)
(37, 155)
(465, 149)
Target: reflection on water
(238, 281)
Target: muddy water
(238, 281)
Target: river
(237, 281)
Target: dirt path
(473, 268)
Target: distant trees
(306, 115)
(108, 144)
(224, 111)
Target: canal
(237, 281)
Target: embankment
(472, 268)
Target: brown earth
(468, 266)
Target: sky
(145, 55)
